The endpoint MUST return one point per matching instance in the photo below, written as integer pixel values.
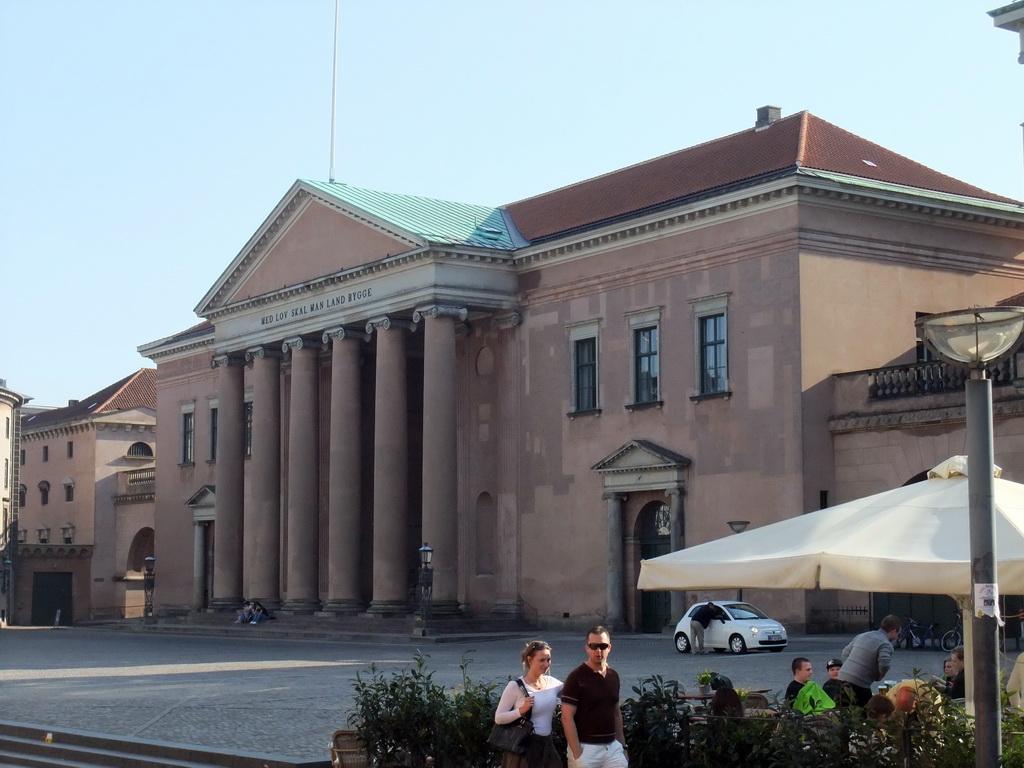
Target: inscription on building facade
(320, 305)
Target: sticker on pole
(986, 600)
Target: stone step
(26, 745)
(351, 629)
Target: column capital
(386, 322)
(506, 320)
(676, 490)
(225, 359)
(345, 333)
(614, 496)
(258, 353)
(301, 342)
(440, 310)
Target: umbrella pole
(985, 594)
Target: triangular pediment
(641, 455)
(308, 236)
(206, 496)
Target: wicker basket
(347, 751)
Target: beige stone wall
(183, 382)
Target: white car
(746, 628)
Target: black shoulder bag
(512, 737)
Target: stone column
(198, 564)
(509, 366)
(615, 592)
(302, 590)
(228, 519)
(390, 471)
(676, 541)
(345, 502)
(263, 515)
(440, 476)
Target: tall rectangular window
(247, 437)
(645, 364)
(585, 365)
(46, 453)
(711, 345)
(713, 369)
(188, 437)
(213, 434)
(71, 449)
(69, 492)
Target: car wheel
(736, 644)
(682, 643)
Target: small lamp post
(975, 339)
(426, 585)
(148, 583)
(738, 526)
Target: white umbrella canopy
(910, 539)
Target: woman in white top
(544, 691)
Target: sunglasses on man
(598, 646)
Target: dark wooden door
(51, 592)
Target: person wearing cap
(834, 686)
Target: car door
(717, 635)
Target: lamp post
(426, 585)
(975, 339)
(738, 526)
(148, 583)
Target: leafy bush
(652, 723)
(405, 718)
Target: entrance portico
(346, 480)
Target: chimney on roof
(72, 402)
(766, 116)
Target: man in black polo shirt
(591, 717)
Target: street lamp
(148, 583)
(738, 526)
(975, 339)
(426, 585)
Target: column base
(343, 607)
(225, 605)
(386, 608)
(270, 603)
(300, 606)
(508, 606)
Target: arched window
(140, 549)
(140, 450)
(22, 492)
(44, 493)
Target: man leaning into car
(700, 620)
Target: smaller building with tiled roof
(86, 497)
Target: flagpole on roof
(334, 90)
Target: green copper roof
(437, 221)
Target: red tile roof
(799, 140)
(135, 391)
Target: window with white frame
(584, 374)
(711, 330)
(645, 328)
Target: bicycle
(914, 635)
(955, 636)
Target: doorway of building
(51, 592)
(655, 529)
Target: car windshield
(745, 611)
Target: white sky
(143, 143)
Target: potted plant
(704, 681)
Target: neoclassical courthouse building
(548, 391)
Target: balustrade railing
(917, 379)
(140, 476)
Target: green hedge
(405, 717)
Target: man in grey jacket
(868, 656)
